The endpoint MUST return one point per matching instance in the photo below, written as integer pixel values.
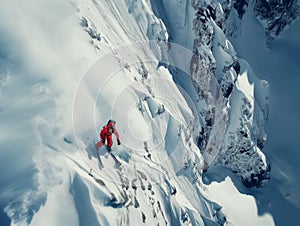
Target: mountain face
(232, 114)
(275, 16)
(184, 101)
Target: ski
(117, 162)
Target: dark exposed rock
(143, 217)
(256, 180)
(90, 29)
(236, 66)
(240, 6)
(278, 15)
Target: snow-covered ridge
(229, 112)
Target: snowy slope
(66, 68)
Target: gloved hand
(119, 142)
(103, 141)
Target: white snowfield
(66, 68)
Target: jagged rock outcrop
(233, 132)
(277, 15)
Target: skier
(106, 135)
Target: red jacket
(106, 133)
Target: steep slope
(232, 103)
(142, 190)
(56, 96)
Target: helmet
(111, 121)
